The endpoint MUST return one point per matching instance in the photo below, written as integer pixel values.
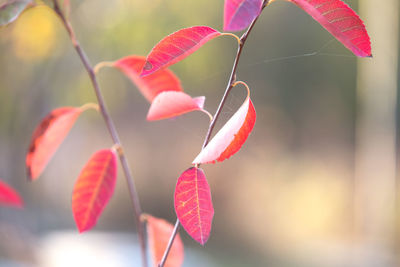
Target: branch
(231, 82)
(112, 130)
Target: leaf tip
(19, 202)
(150, 117)
(29, 175)
(82, 229)
(199, 101)
(19, 206)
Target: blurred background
(314, 185)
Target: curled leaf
(159, 232)
(238, 14)
(341, 21)
(171, 104)
(47, 137)
(193, 204)
(11, 10)
(231, 137)
(177, 46)
(94, 188)
(151, 85)
(9, 197)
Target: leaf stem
(90, 106)
(230, 85)
(101, 65)
(208, 114)
(112, 130)
(233, 35)
(245, 85)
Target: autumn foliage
(162, 88)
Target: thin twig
(171, 239)
(111, 128)
(232, 78)
(231, 82)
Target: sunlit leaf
(94, 188)
(172, 104)
(341, 21)
(177, 46)
(193, 204)
(231, 137)
(11, 10)
(238, 14)
(9, 197)
(158, 234)
(47, 137)
(151, 85)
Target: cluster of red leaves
(95, 184)
(193, 204)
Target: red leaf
(47, 137)
(11, 10)
(158, 233)
(150, 86)
(177, 46)
(193, 204)
(9, 197)
(172, 104)
(231, 137)
(94, 188)
(238, 14)
(341, 21)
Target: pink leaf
(193, 204)
(47, 137)
(9, 197)
(177, 46)
(341, 21)
(94, 188)
(238, 14)
(172, 104)
(231, 137)
(150, 86)
(158, 233)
